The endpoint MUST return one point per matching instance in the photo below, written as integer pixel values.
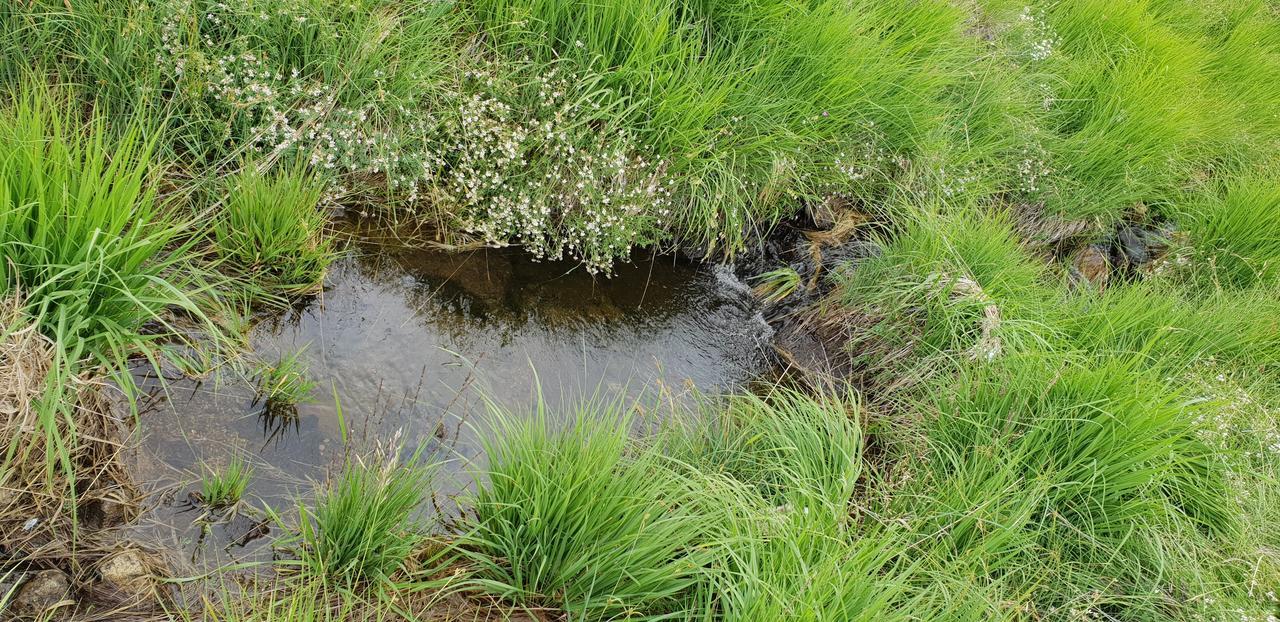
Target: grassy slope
(1041, 451)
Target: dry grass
(64, 524)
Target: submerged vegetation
(1040, 253)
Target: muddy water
(411, 340)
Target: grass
(777, 285)
(570, 519)
(365, 526)
(272, 231)
(1088, 466)
(1235, 232)
(225, 488)
(284, 385)
(96, 258)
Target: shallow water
(411, 340)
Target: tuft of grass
(223, 488)
(364, 526)
(98, 260)
(272, 231)
(284, 384)
(794, 449)
(777, 285)
(1237, 234)
(1090, 466)
(950, 287)
(571, 517)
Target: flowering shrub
(531, 155)
(510, 151)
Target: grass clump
(225, 488)
(86, 240)
(284, 385)
(364, 525)
(742, 516)
(96, 259)
(272, 231)
(1236, 235)
(575, 519)
(947, 289)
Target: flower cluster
(533, 159)
(1033, 168)
(955, 185)
(514, 151)
(1034, 38)
(866, 159)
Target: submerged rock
(41, 592)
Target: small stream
(412, 341)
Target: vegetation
(225, 488)
(284, 385)
(1055, 387)
(271, 231)
(364, 525)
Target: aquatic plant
(222, 488)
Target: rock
(126, 571)
(1092, 265)
(1131, 243)
(41, 592)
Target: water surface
(411, 340)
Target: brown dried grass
(49, 519)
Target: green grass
(365, 523)
(1010, 446)
(223, 488)
(1088, 466)
(742, 516)
(284, 384)
(1236, 233)
(571, 518)
(777, 285)
(272, 231)
(97, 259)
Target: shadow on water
(412, 340)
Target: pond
(412, 341)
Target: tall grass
(574, 519)
(97, 259)
(758, 106)
(744, 515)
(364, 526)
(1236, 235)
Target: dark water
(411, 340)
